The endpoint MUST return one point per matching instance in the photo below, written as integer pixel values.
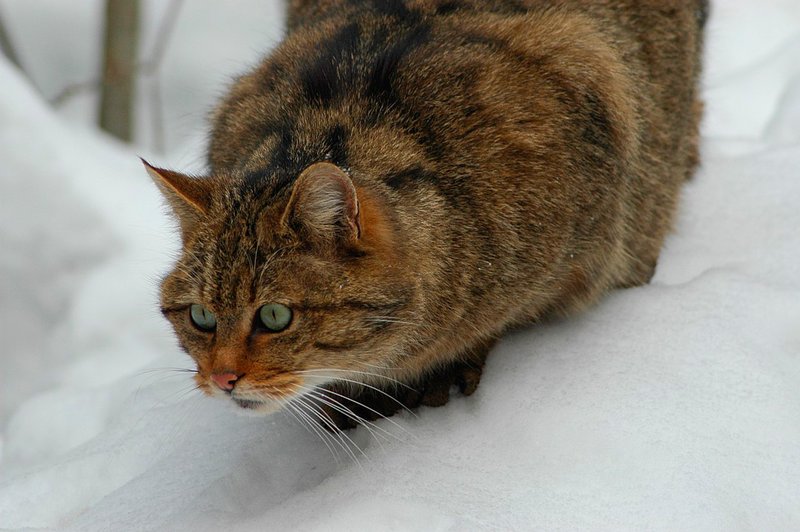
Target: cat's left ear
(189, 197)
(323, 207)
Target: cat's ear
(189, 197)
(323, 208)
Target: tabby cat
(400, 182)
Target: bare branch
(7, 47)
(74, 89)
(152, 67)
(163, 35)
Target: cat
(401, 182)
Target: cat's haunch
(400, 182)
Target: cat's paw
(435, 390)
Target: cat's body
(496, 163)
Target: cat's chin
(249, 407)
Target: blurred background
(145, 71)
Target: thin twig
(7, 47)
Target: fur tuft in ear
(189, 197)
(323, 207)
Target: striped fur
(511, 160)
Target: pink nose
(225, 381)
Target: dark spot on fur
(448, 7)
(394, 8)
(430, 140)
(410, 176)
(273, 74)
(323, 80)
(514, 6)
(336, 145)
(598, 130)
(486, 41)
(380, 84)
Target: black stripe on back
(380, 84)
(448, 7)
(336, 144)
(598, 130)
(322, 79)
(393, 8)
(415, 174)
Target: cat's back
(445, 60)
(553, 132)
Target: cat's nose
(225, 381)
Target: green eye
(275, 317)
(203, 318)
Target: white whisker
(339, 407)
(325, 418)
(311, 427)
(335, 378)
(388, 419)
(395, 381)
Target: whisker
(362, 405)
(339, 407)
(377, 366)
(389, 319)
(390, 379)
(296, 404)
(332, 434)
(315, 427)
(150, 381)
(266, 266)
(318, 427)
(384, 433)
(255, 258)
(188, 393)
(348, 413)
(325, 418)
(310, 428)
(178, 396)
(335, 378)
(155, 370)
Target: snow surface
(670, 406)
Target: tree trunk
(119, 67)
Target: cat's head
(274, 296)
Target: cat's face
(273, 299)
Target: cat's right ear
(323, 208)
(189, 197)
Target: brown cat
(401, 182)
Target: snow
(670, 406)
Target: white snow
(670, 406)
